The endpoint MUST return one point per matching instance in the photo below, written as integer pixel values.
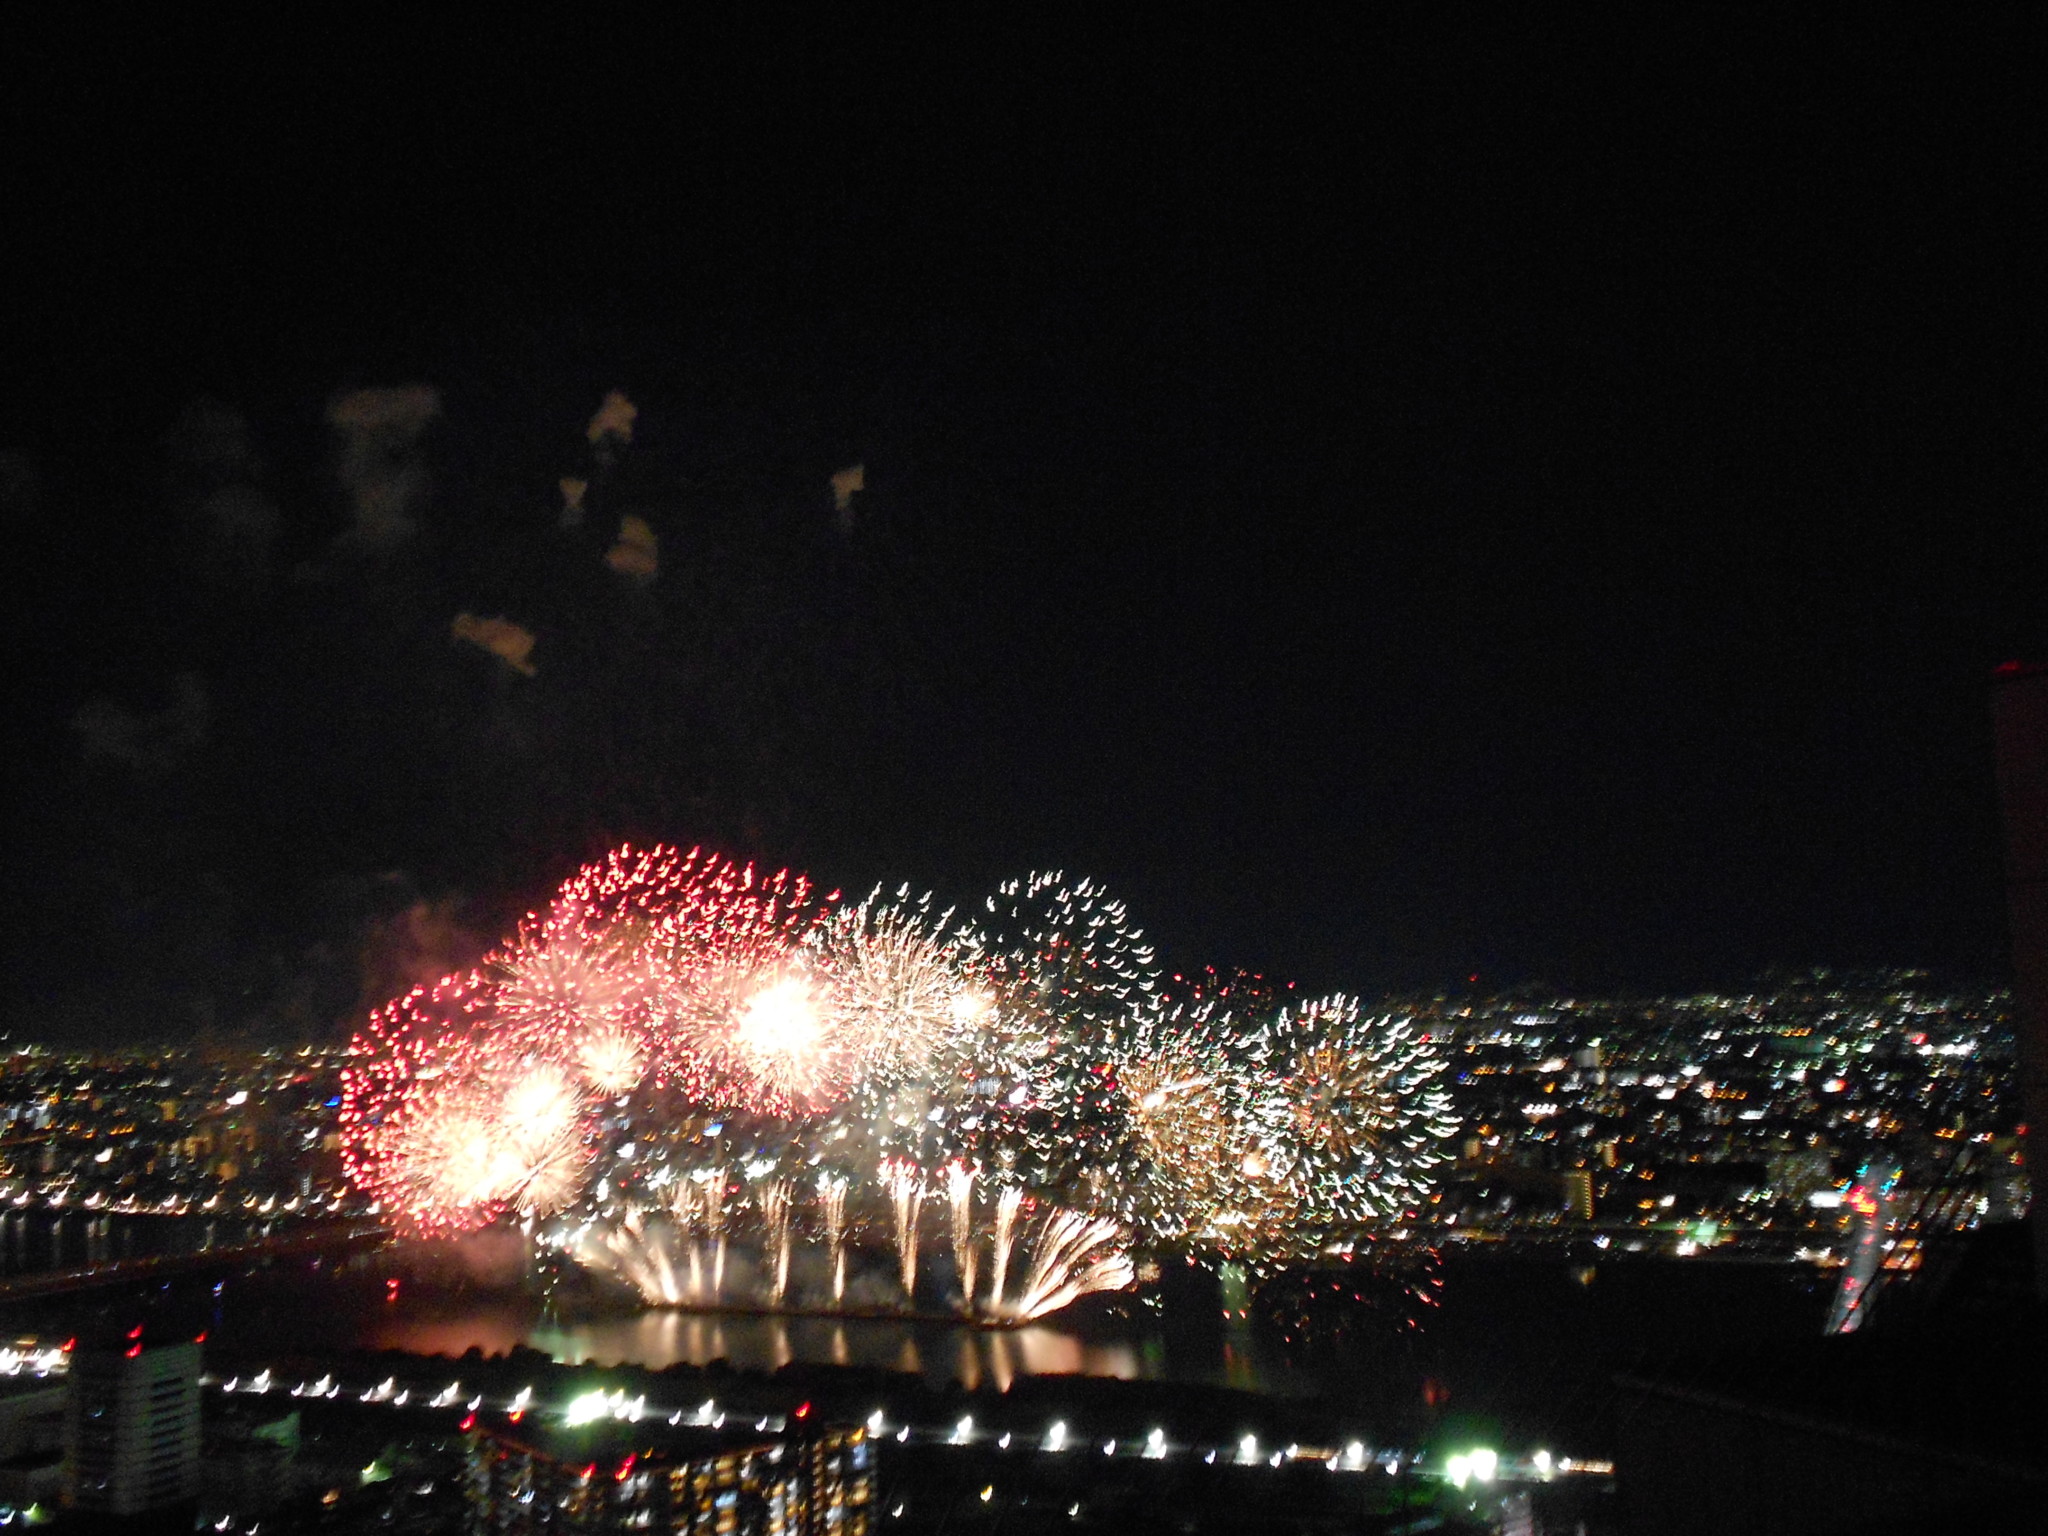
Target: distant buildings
(1678, 1123)
(615, 1476)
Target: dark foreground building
(132, 1436)
(614, 1475)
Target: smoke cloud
(379, 464)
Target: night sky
(1441, 497)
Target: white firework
(1072, 1255)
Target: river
(1527, 1342)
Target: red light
(134, 1350)
(468, 1422)
(803, 1410)
(625, 1467)
(70, 1345)
(135, 1332)
(202, 1337)
(516, 1415)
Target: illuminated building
(1578, 1192)
(132, 1430)
(616, 1475)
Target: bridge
(305, 1242)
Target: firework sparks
(640, 1253)
(612, 1061)
(960, 1195)
(1071, 1256)
(905, 1183)
(1365, 1121)
(665, 1000)
(832, 1206)
(776, 1200)
(1008, 1204)
(780, 1036)
(900, 983)
(711, 1211)
(560, 981)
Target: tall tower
(1578, 1192)
(131, 1432)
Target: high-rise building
(1578, 1192)
(131, 1431)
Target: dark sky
(1439, 496)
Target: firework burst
(1364, 1117)
(677, 1018)
(899, 982)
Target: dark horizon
(1451, 497)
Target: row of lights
(1479, 1465)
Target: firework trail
(712, 1212)
(683, 1206)
(832, 1201)
(905, 1184)
(775, 1210)
(960, 1194)
(1008, 1204)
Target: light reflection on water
(658, 1339)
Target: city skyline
(1143, 774)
